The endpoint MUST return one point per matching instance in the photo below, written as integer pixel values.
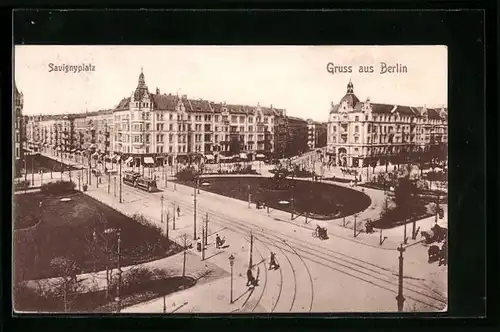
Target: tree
(102, 247)
(67, 282)
(185, 244)
(408, 202)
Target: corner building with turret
(169, 128)
(362, 133)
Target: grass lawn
(67, 229)
(321, 200)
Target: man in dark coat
(272, 262)
(250, 278)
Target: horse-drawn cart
(435, 234)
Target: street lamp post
(400, 298)
(231, 263)
(355, 215)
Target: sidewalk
(202, 271)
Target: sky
(295, 78)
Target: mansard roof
(165, 102)
(381, 108)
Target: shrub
(22, 184)
(141, 219)
(58, 187)
(187, 174)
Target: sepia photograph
(230, 179)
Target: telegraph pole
(251, 251)
(202, 243)
(161, 209)
(206, 230)
(166, 225)
(165, 175)
(173, 225)
(194, 214)
(32, 171)
(109, 182)
(120, 181)
(114, 185)
(400, 298)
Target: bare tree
(102, 247)
(184, 242)
(67, 282)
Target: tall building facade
(168, 127)
(362, 133)
(56, 133)
(18, 131)
(316, 134)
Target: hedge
(58, 187)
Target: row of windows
(388, 118)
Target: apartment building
(166, 127)
(364, 132)
(18, 131)
(316, 134)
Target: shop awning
(73, 150)
(149, 160)
(94, 154)
(209, 157)
(260, 155)
(129, 159)
(117, 158)
(243, 155)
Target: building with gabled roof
(168, 127)
(362, 133)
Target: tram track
(366, 271)
(281, 279)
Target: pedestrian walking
(198, 244)
(178, 211)
(250, 278)
(272, 262)
(218, 242)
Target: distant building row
(361, 133)
(170, 127)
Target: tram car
(147, 184)
(130, 178)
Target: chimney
(157, 91)
(184, 96)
